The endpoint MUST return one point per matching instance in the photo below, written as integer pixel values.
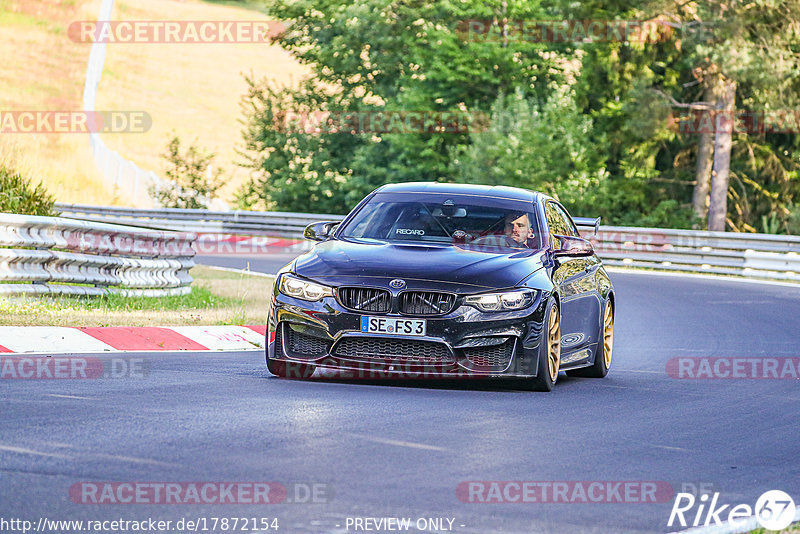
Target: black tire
(285, 369)
(601, 365)
(545, 379)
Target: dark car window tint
(451, 221)
(555, 221)
(570, 227)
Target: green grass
(217, 298)
(20, 19)
(200, 297)
(794, 527)
(29, 309)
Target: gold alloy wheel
(554, 343)
(608, 334)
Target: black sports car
(444, 280)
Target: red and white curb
(62, 339)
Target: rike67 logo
(774, 510)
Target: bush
(793, 220)
(193, 181)
(545, 147)
(18, 195)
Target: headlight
(505, 301)
(302, 289)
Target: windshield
(462, 220)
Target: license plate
(393, 325)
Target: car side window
(571, 229)
(555, 222)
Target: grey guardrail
(749, 255)
(54, 255)
(271, 223)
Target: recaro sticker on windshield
(409, 231)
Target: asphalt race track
(266, 263)
(401, 449)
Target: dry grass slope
(190, 90)
(43, 70)
(223, 298)
(193, 90)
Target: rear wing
(588, 222)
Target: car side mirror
(320, 231)
(573, 246)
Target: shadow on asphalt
(476, 384)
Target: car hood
(338, 262)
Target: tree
(540, 147)
(192, 180)
(383, 55)
(728, 43)
(634, 91)
(702, 175)
(647, 182)
(608, 136)
(295, 170)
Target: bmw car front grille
(403, 350)
(298, 344)
(365, 299)
(426, 303)
(491, 356)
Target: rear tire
(602, 360)
(549, 351)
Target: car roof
(497, 191)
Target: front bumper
(465, 343)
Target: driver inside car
(518, 227)
(517, 232)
